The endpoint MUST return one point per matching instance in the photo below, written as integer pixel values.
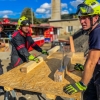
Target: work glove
(74, 88)
(33, 58)
(45, 52)
(79, 67)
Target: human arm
(91, 61)
(90, 64)
(36, 47)
(87, 74)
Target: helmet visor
(84, 9)
(25, 23)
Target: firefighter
(88, 13)
(21, 42)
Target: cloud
(64, 5)
(45, 9)
(5, 16)
(40, 10)
(46, 16)
(45, 6)
(75, 3)
(64, 12)
(70, 9)
(48, 11)
(7, 13)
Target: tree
(27, 12)
(69, 16)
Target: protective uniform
(89, 8)
(21, 44)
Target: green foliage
(43, 20)
(68, 16)
(30, 15)
(65, 16)
(36, 21)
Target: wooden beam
(78, 54)
(53, 50)
(49, 96)
(78, 57)
(59, 76)
(77, 60)
(32, 64)
(72, 44)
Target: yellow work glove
(33, 58)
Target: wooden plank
(78, 57)
(78, 54)
(53, 50)
(58, 75)
(73, 75)
(32, 64)
(77, 60)
(41, 78)
(72, 44)
(50, 96)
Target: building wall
(66, 25)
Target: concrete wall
(65, 23)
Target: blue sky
(41, 8)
